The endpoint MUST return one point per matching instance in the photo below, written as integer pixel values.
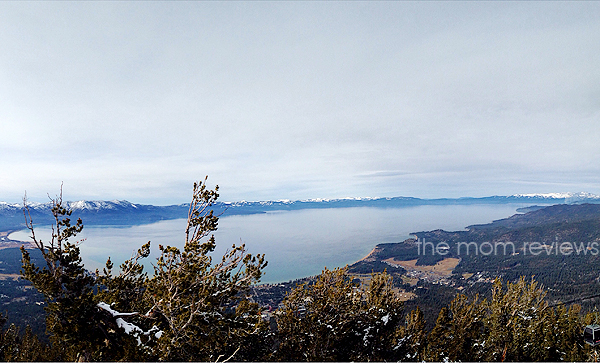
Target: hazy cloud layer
(136, 100)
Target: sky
(297, 100)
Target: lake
(296, 243)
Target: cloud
(298, 100)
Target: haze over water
(296, 243)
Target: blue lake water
(296, 243)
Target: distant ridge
(122, 212)
(569, 198)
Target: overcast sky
(296, 100)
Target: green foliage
(315, 320)
(125, 293)
(515, 317)
(17, 347)
(516, 324)
(195, 309)
(333, 319)
(440, 337)
(71, 313)
(458, 333)
(412, 340)
(193, 299)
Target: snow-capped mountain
(122, 212)
(81, 205)
(568, 197)
(116, 212)
(9, 206)
(97, 205)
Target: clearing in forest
(442, 268)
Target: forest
(198, 307)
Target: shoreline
(6, 242)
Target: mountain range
(122, 212)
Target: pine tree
(25, 347)
(71, 313)
(122, 296)
(570, 325)
(189, 309)
(334, 319)
(379, 320)
(411, 341)
(195, 298)
(467, 328)
(317, 320)
(440, 338)
(516, 322)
